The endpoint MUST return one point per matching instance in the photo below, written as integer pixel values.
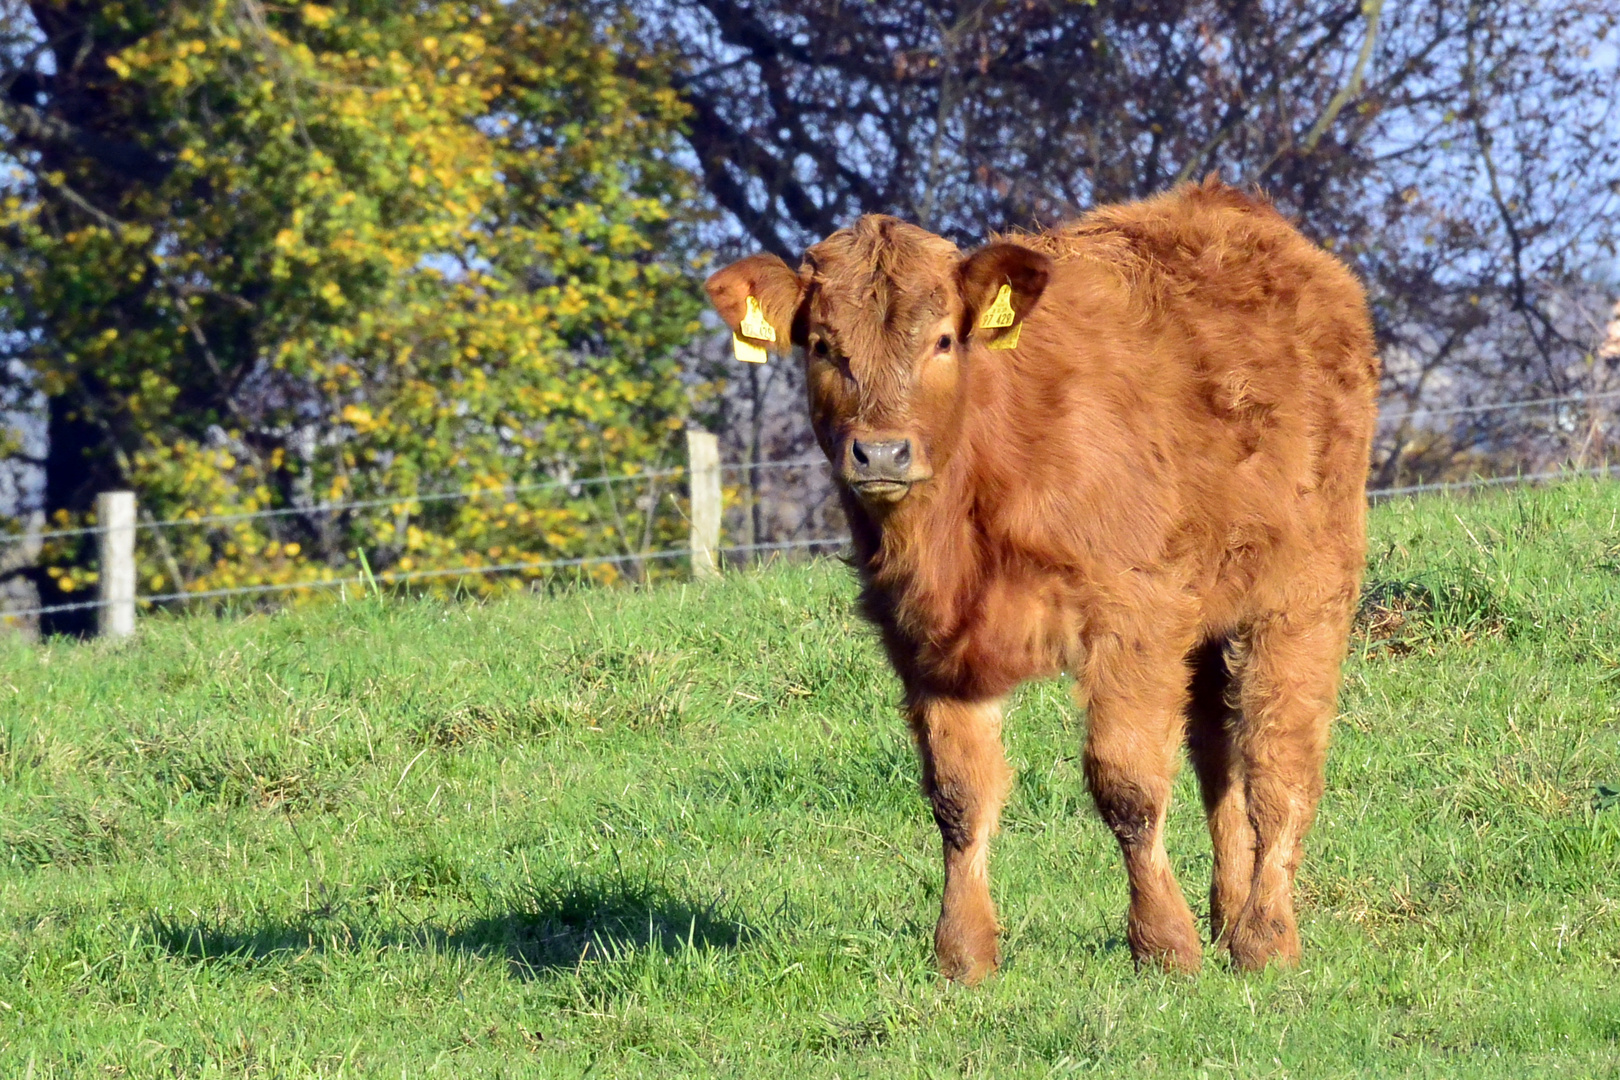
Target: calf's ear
(981, 277)
(769, 281)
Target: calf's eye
(944, 343)
(819, 346)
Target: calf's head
(890, 321)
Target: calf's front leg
(965, 777)
(1135, 695)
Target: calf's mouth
(881, 491)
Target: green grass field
(676, 832)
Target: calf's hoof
(968, 970)
(1260, 938)
(1175, 949)
(966, 957)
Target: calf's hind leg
(1212, 746)
(965, 777)
(1288, 690)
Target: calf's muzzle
(882, 468)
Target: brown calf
(1152, 479)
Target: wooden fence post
(115, 518)
(703, 477)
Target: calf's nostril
(902, 454)
(861, 457)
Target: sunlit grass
(677, 832)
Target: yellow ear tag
(754, 325)
(999, 313)
(1009, 340)
(746, 350)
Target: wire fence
(393, 577)
(408, 500)
(573, 484)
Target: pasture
(676, 832)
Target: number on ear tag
(746, 350)
(1000, 313)
(1009, 340)
(755, 324)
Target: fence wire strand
(394, 577)
(766, 466)
(361, 504)
(323, 509)
(1492, 481)
(1497, 406)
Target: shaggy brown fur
(1160, 490)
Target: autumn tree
(272, 258)
(1464, 158)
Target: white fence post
(115, 517)
(703, 477)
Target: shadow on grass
(579, 922)
(538, 930)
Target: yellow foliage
(395, 254)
